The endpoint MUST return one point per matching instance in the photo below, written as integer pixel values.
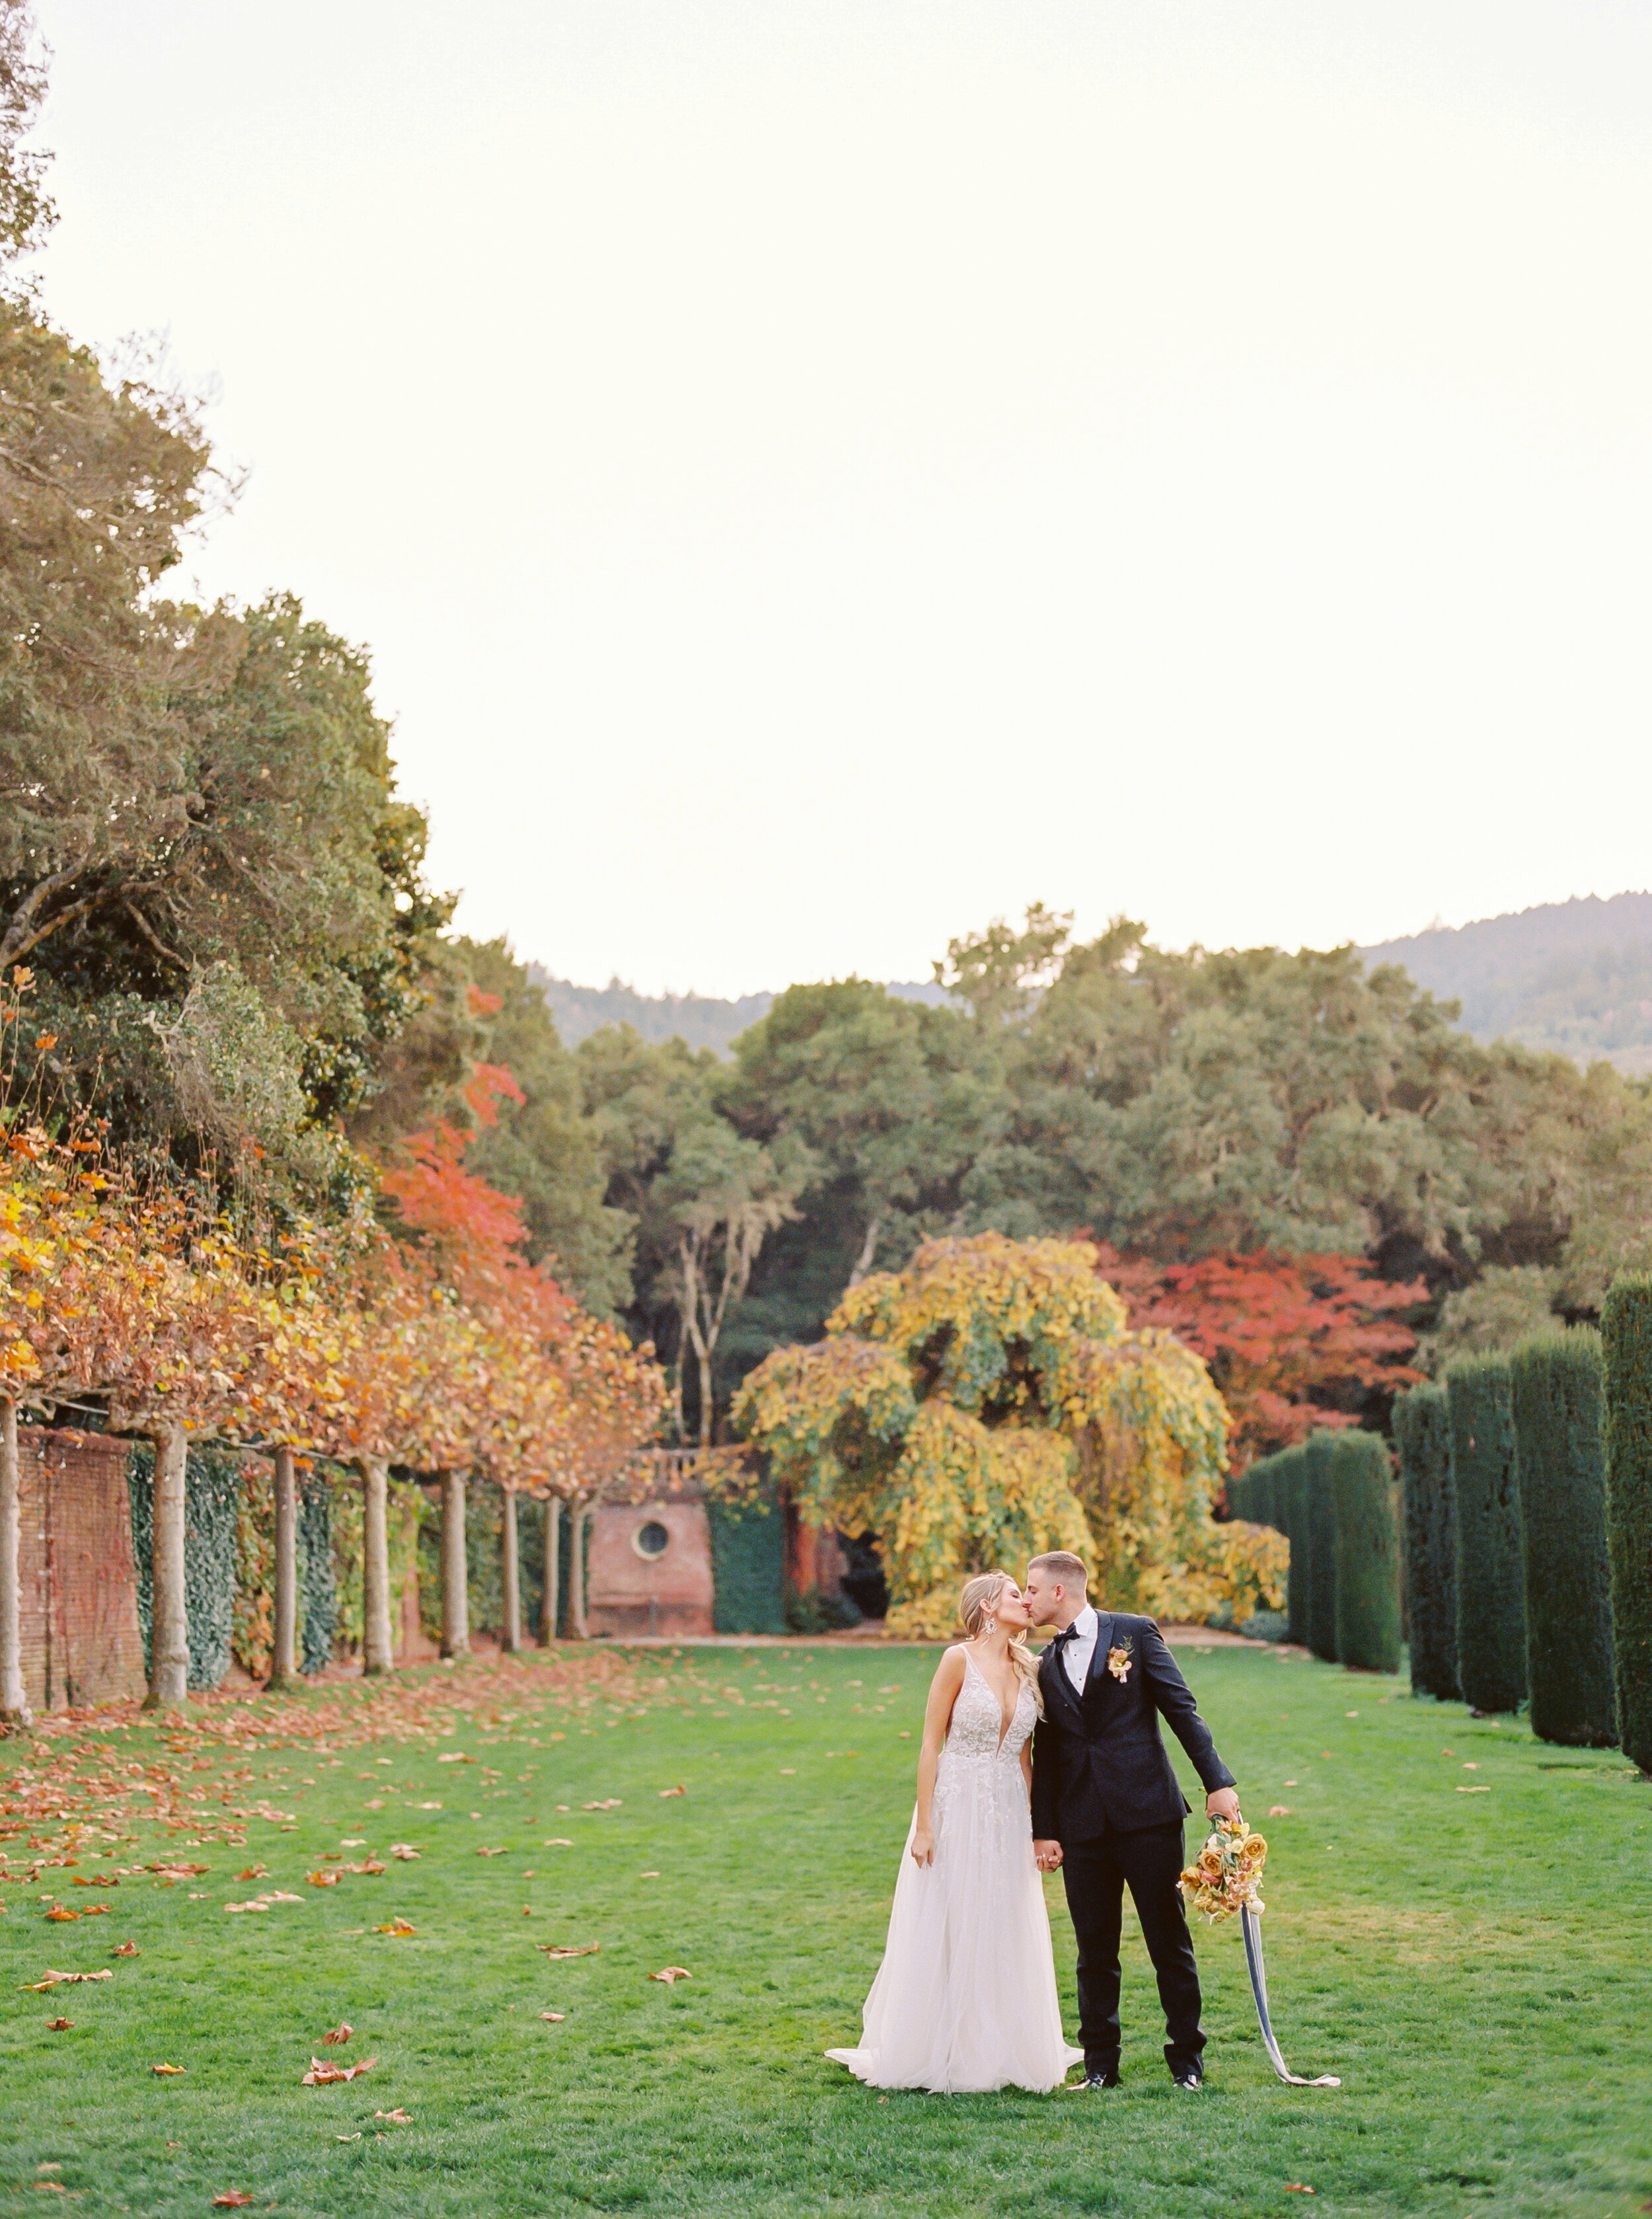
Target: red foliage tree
(1289, 1339)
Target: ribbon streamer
(1252, 1926)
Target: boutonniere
(1119, 1661)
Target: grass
(1473, 1965)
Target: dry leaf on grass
(672, 1973)
(104, 1879)
(1279, 1810)
(556, 2017)
(168, 1870)
(57, 1911)
(556, 1841)
(355, 2137)
(59, 1979)
(613, 1804)
(324, 1878)
(665, 1791)
(59, 2025)
(127, 1950)
(163, 2071)
(1298, 2188)
(648, 1875)
(490, 1853)
(231, 2200)
(404, 1850)
(254, 1872)
(397, 2118)
(322, 2075)
(397, 1926)
(95, 1909)
(367, 1865)
(342, 2032)
(567, 1948)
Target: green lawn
(1474, 1965)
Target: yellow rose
(1254, 1850)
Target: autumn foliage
(1288, 1340)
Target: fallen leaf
(648, 1875)
(1279, 1810)
(59, 2025)
(256, 1903)
(397, 1926)
(556, 1841)
(788, 1772)
(56, 2187)
(57, 1911)
(340, 2033)
(527, 1911)
(404, 1850)
(556, 2017)
(57, 1980)
(397, 2118)
(324, 1878)
(96, 1910)
(490, 1853)
(665, 1791)
(127, 1950)
(104, 1879)
(566, 1950)
(352, 1841)
(231, 2200)
(613, 1804)
(672, 1973)
(355, 2137)
(253, 1872)
(160, 2070)
(1298, 2188)
(322, 2075)
(430, 1806)
(1460, 1791)
(174, 1871)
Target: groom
(1106, 1809)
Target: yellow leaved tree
(989, 1402)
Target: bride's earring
(988, 1626)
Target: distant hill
(1573, 976)
(699, 1019)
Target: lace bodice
(978, 1720)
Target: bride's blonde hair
(976, 1605)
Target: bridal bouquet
(1228, 1873)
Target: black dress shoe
(1104, 2076)
(1188, 2076)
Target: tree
(1367, 1553)
(1291, 1341)
(1626, 1435)
(989, 1402)
(1490, 1582)
(1422, 1432)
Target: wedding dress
(965, 1998)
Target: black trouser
(1148, 1861)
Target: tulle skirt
(965, 1998)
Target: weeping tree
(989, 1402)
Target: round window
(651, 1540)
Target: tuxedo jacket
(1099, 1762)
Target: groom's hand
(1223, 1803)
(1048, 1855)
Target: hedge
(748, 1565)
(1290, 1500)
(1366, 1553)
(1422, 1430)
(1626, 1434)
(317, 1592)
(1554, 1379)
(1491, 1580)
(1321, 1525)
(212, 1494)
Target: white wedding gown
(965, 1998)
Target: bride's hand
(924, 1846)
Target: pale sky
(815, 476)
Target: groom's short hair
(1067, 1569)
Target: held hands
(923, 1846)
(1223, 1803)
(1048, 1855)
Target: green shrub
(1491, 1582)
(1554, 1379)
(1367, 1553)
(1422, 1430)
(1290, 1499)
(212, 1486)
(1626, 1350)
(749, 1566)
(318, 1595)
(1320, 1523)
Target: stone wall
(638, 1582)
(81, 1640)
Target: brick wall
(80, 1635)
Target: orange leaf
(397, 2118)
(322, 2075)
(556, 2017)
(324, 1878)
(160, 2070)
(231, 2200)
(59, 2025)
(673, 1973)
(254, 1872)
(665, 1791)
(490, 1853)
(1298, 2188)
(565, 1949)
(127, 1950)
(397, 1926)
(403, 1851)
(57, 1911)
(340, 2033)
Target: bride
(965, 1998)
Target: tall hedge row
(1491, 1580)
(1366, 1553)
(748, 1565)
(1320, 1522)
(1422, 1430)
(1555, 1380)
(1626, 1352)
(1290, 1493)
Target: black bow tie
(1067, 1633)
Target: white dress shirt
(1077, 1654)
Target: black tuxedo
(1104, 1787)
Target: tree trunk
(13, 1703)
(455, 1614)
(576, 1570)
(864, 1261)
(548, 1625)
(378, 1648)
(169, 1642)
(510, 1570)
(284, 1663)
